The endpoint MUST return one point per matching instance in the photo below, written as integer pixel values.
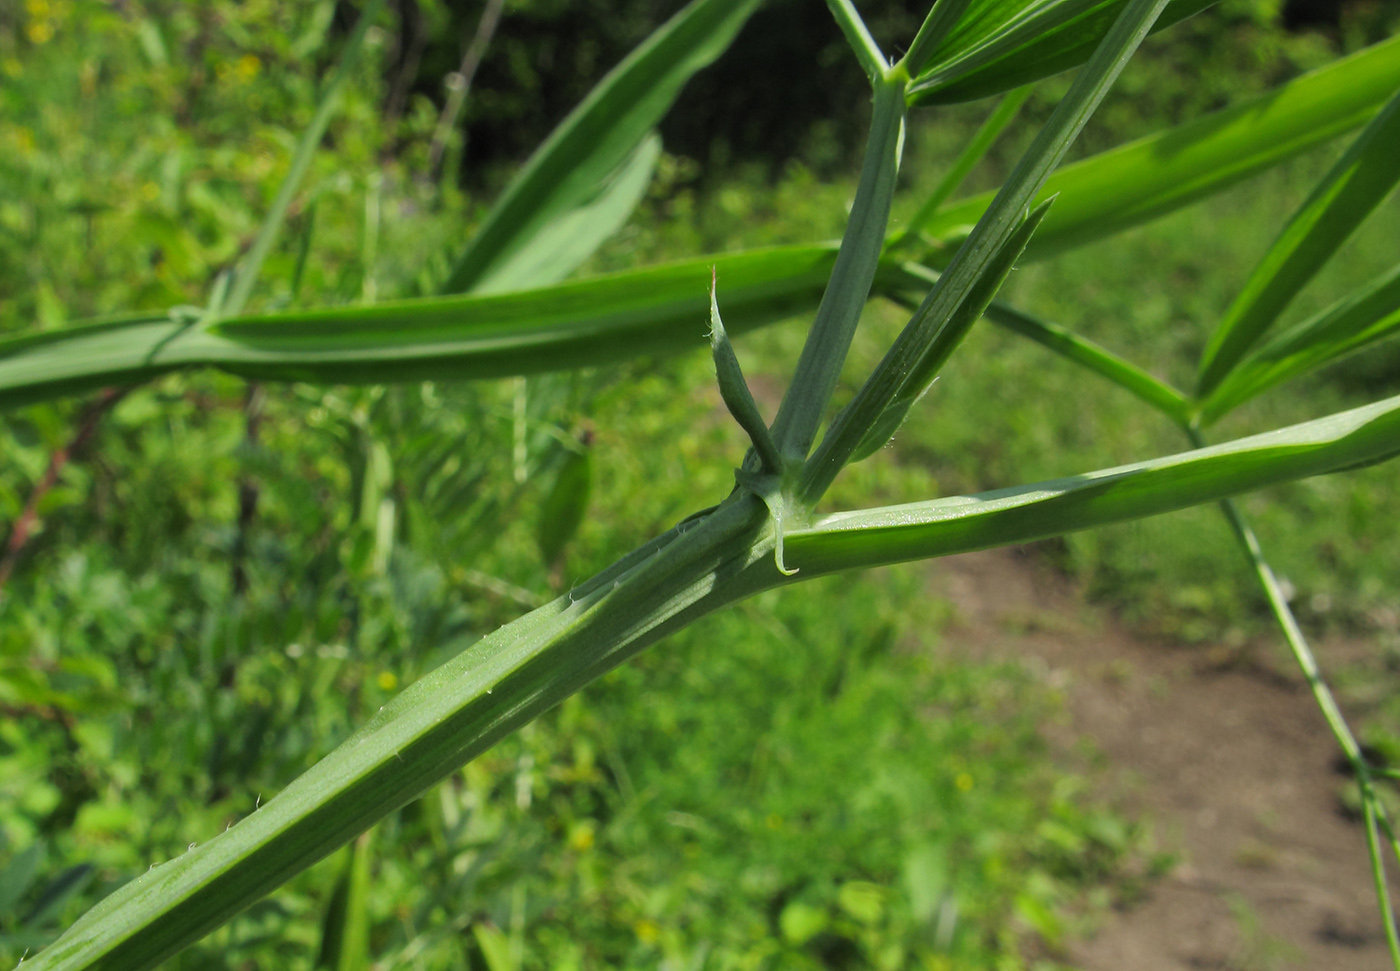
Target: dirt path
(1232, 763)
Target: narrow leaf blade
(563, 244)
(914, 531)
(1360, 180)
(1147, 178)
(1002, 44)
(598, 320)
(597, 136)
(1370, 315)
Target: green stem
(989, 237)
(430, 729)
(1141, 384)
(1371, 808)
(848, 289)
(1322, 695)
(858, 36)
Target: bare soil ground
(1224, 752)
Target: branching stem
(872, 60)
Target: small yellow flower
(39, 31)
(150, 191)
(12, 67)
(647, 931)
(388, 680)
(963, 781)
(581, 839)
(38, 9)
(247, 67)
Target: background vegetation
(229, 578)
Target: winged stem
(981, 249)
(1004, 113)
(852, 276)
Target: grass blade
(1003, 44)
(345, 931)
(941, 19)
(1097, 197)
(1369, 315)
(1362, 177)
(595, 139)
(958, 524)
(430, 729)
(1161, 173)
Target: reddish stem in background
(247, 490)
(24, 524)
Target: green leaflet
(942, 17)
(1371, 314)
(563, 244)
(1025, 513)
(973, 303)
(592, 144)
(852, 277)
(1141, 180)
(430, 729)
(734, 390)
(998, 45)
(593, 321)
(1362, 177)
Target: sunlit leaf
(998, 45)
(594, 142)
(1349, 192)
(1369, 315)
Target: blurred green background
(228, 579)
